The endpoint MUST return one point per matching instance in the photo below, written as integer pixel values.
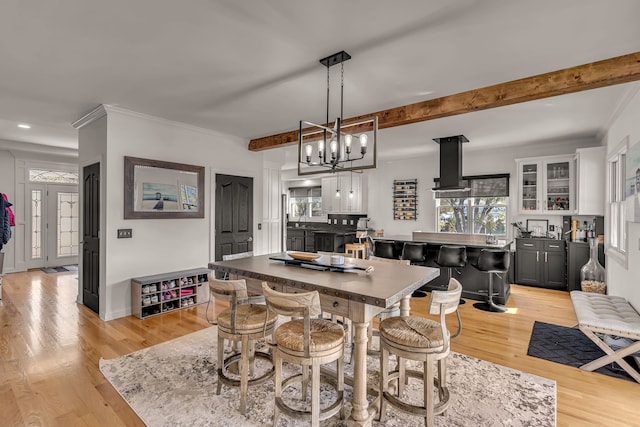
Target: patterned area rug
(174, 384)
(569, 346)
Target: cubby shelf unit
(162, 293)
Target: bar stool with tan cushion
(242, 323)
(424, 340)
(309, 342)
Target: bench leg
(611, 356)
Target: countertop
(444, 241)
(318, 230)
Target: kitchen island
(353, 294)
(473, 281)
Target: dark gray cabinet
(309, 241)
(578, 255)
(528, 270)
(295, 240)
(332, 242)
(541, 262)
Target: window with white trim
(305, 202)
(481, 210)
(616, 171)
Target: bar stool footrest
(438, 408)
(325, 413)
(235, 358)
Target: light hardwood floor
(50, 347)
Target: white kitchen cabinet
(546, 185)
(346, 203)
(590, 180)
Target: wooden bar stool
(242, 323)
(355, 250)
(309, 342)
(423, 340)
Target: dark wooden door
(91, 237)
(234, 215)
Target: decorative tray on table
(316, 262)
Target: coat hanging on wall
(6, 219)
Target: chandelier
(337, 146)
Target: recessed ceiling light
(24, 126)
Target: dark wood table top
(386, 285)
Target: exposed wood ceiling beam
(608, 72)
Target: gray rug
(174, 383)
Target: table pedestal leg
(405, 306)
(361, 416)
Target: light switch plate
(125, 233)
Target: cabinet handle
(554, 246)
(545, 257)
(537, 256)
(527, 244)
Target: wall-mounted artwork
(158, 189)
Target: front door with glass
(54, 225)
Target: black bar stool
(492, 261)
(384, 249)
(415, 253)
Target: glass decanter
(592, 274)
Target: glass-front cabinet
(546, 185)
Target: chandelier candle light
(331, 146)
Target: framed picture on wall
(159, 189)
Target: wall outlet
(125, 233)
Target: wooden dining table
(347, 291)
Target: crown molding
(90, 117)
(106, 109)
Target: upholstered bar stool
(492, 261)
(423, 340)
(451, 257)
(384, 249)
(415, 253)
(309, 342)
(243, 322)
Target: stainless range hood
(451, 164)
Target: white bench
(608, 315)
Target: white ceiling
(250, 68)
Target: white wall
(426, 168)
(623, 279)
(161, 245)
